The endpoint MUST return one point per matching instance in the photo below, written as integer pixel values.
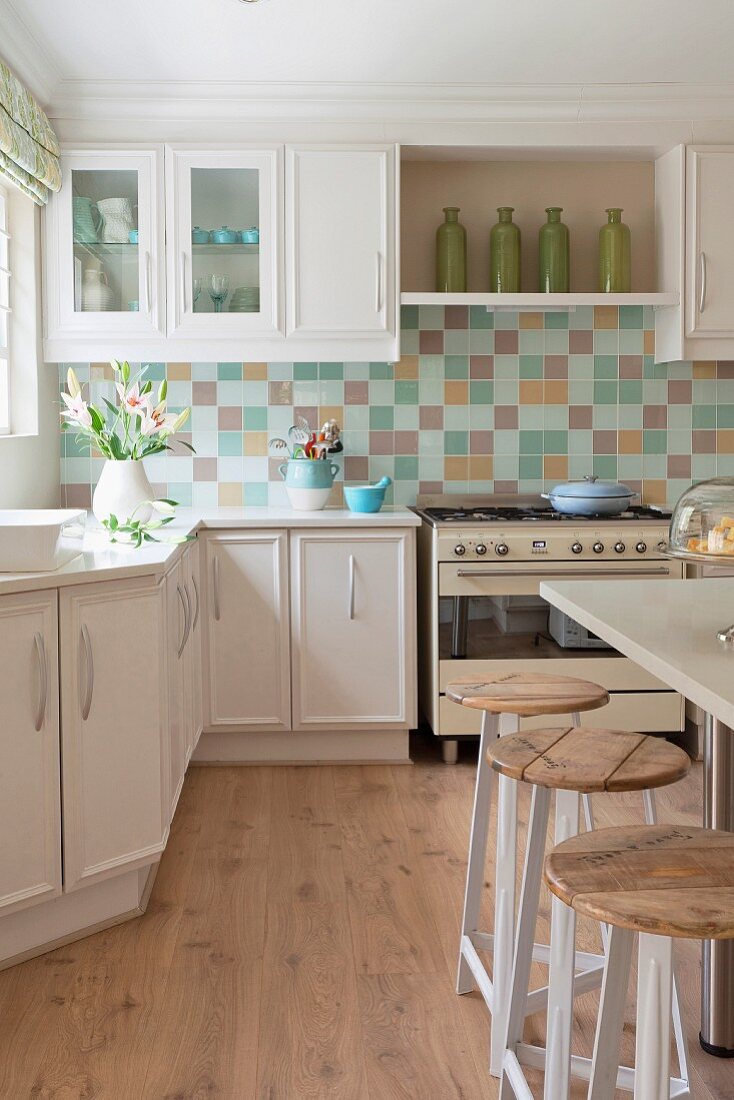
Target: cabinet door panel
(340, 250)
(30, 806)
(247, 625)
(175, 631)
(351, 629)
(710, 243)
(115, 755)
(195, 641)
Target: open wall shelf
(538, 302)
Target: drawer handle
(89, 666)
(197, 604)
(601, 574)
(702, 268)
(189, 615)
(148, 292)
(42, 679)
(215, 572)
(350, 608)
(184, 608)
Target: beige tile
(629, 442)
(606, 317)
(555, 391)
(702, 369)
(407, 368)
(178, 372)
(255, 443)
(648, 342)
(230, 494)
(531, 320)
(654, 491)
(481, 467)
(330, 412)
(531, 391)
(255, 372)
(456, 468)
(555, 466)
(100, 371)
(456, 392)
(725, 441)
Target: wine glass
(198, 287)
(218, 290)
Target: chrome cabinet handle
(215, 571)
(702, 266)
(89, 664)
(42, 679)
(182, 643)
(189, 615)
(197, 605)
(500, 574)
(351, 586)
(378, 282)
(148, 292)
(183, 282)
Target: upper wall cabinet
(221, 284)
(104, 279)
(224, 242)
(341, 241)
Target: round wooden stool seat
(667, 880)
(586, 760)
(527, 693)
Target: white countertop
(102, 560)
(667, 627)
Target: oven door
(492, 619)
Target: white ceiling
(384, 41)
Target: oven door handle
(500, 573)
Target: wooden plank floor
(300, 942)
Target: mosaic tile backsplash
(479, 402)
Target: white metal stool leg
(504, 918)
(608, 1039)
(471, 970)
(654, 991)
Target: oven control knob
(598, 548)
(460, 550)
(481, 549)
(502, 549)
(619, 548)
(662, 546)
(641, 547)
(576, 547)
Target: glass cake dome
(702, 525)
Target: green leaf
(113, 523)
(183, 443)
(98, 423)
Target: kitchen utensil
(225, 235)
(251, 235)
(117, 219)
(308, 484)
(97, 297)
(299, 435)
(86, 219)
(218, 290)
(366, 498)
(331, 432)
(199, 235)
(590, 497)
(279, 444)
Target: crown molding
(27, 57)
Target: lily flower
(76, 411)
(156, 420)
(133, 400)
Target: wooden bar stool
(506, 696)
(571, 762)
(662, 882)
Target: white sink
(39, 540)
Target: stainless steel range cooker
(480, 563)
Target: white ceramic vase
(97, 296)
(121, 488)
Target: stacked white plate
(245, 299)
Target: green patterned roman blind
(29, 150)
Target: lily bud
(162, 391)
(180, 420)
(72, 383)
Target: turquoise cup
(366, 498)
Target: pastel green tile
(725, 416)
(725, 465)
(403, 492)
(407, 418)
(648, 317)
(506, 393)
(704, 391)
(229, 372)
(253, 393)
(556, 341)
(430, 366)
(430, 317)
(156, 372)
(581, 393)
(629, 467)
(506, 319)
(606, 366)
(703, 466)
(331, 371)
(580, 441)
(606, 341)
(456, 366)
(381, 466)
(679, 441)
(256, 494)
(531, 417)
(72, 448)
(506, 441)
(255, 419)
(480, 317)
(229, 393)
(481, 417)
(654, 465)
(725, 391)
(631, 342)
(581, 318)
(680, 416)
(630, 391)
(555, 443)
(305, 372)
(430, 391)
(580, 367)
(506, 467)
(456, 341)
(654, 392)
(530, 341)
(356, 417)
(204, 494)
(556, 320)
(456, 443)
(605, 393)
(280, 372)
(357, 372)
(507, 366)
(408, 317)
(380, 371)
(530, 485)
(629, 416)
(406, 467)
(430, 443)
(456, 417)
(381, 393)
(359, 442)
(230, 468)
(229, 443)
(555, 417)
(382, 418)
(181, 492)
(331, 393)
(604, 416)
(654, 441)
(605, 466)
(531, 443)
(481, 392)
(409, 342)
(631, 317)
(305, 393)
(580, 465)
(432, 466)
(205, 443)
(481, 341)
(406, 392)
(531, 466)
(531, 366)
(703, 416)
(679, 371)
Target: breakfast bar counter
(671, 629)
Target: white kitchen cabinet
(341, 243)
(230, 190)
(352, 609)
(114, 728)
(193, 645)
(709, 242)
(30, 806)
(176, 611)
(245, 604)
(103, 290)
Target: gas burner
(533, 513)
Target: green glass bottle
(615, 275)
(451, 254)
(554, 257)
(504, 254)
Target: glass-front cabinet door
(104, 276)
(224, 242)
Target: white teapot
(117, 220)
(97, 297)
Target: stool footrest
(534, 1057)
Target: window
(4, 314)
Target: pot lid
(592, 488)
